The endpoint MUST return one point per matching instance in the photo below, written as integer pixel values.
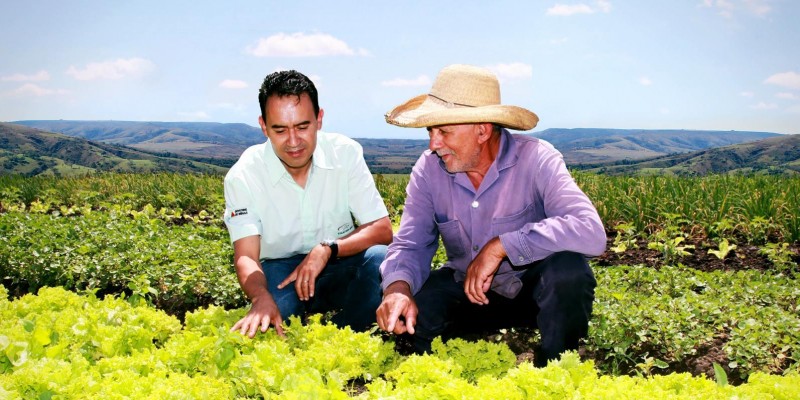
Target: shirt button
(475, 204)
(475, 248)
(521, 258)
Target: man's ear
(263, 125)
(319, 118)
(485, 132)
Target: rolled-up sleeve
(571, 223)
(409, 256)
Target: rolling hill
(29, 151)
(591, 145)
(227, 141)
(774, 155)
(196, 139)
(606, 150)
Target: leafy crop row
(754, 205)
(176, 267)
(61, 345)
(646, 319)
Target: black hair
(287, 83)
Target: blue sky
(684, 64)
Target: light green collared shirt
(261, 198)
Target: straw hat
(461, 94)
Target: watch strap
(334, 248)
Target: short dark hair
(287, 83)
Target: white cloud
(194, 115)
(117, 69)
(758, 7)
(37, 77)
(302, 45)
(566, 10)
(32, 89)
(511, 71)
(789, 79)
(421, 80)
(727, 8)
(764, 106)
(747, 94)
(233, 84)
(559, 41)
(604, 6)
(645, 81)
(786, 96)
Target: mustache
(442, 153)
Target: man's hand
(397, 302)
(305, 275)
(263, 313)
(480, 271)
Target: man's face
(291, 127)
(456, 145)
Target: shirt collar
(507, 154)
(320, 159)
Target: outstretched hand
(398, 310)
(263, 313)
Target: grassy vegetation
(158, 239)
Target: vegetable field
(122, 286)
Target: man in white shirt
(307, 224)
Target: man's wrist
(333, 246)
(399, 286)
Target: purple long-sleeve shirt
(528, 198)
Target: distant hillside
(28, 151)
(392, 156)
(197, 139)
(775, 155)
(221, 144)
(591, 145)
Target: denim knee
(373, 256)
(286, 299)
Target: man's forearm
(251, 278)
(365, 236)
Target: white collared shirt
(261, 198)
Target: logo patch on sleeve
(236, 213)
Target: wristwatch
(334, 247)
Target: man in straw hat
(289, 209)
(515, 226)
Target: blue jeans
(556, 297)
(349, 285)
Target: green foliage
(476, 359)
(643, 316)
(671, 248)
(110, 349)
(780, 255)
(724, 249)
(625, 239)
(157, 240)
(763, 203)
(172, 266)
